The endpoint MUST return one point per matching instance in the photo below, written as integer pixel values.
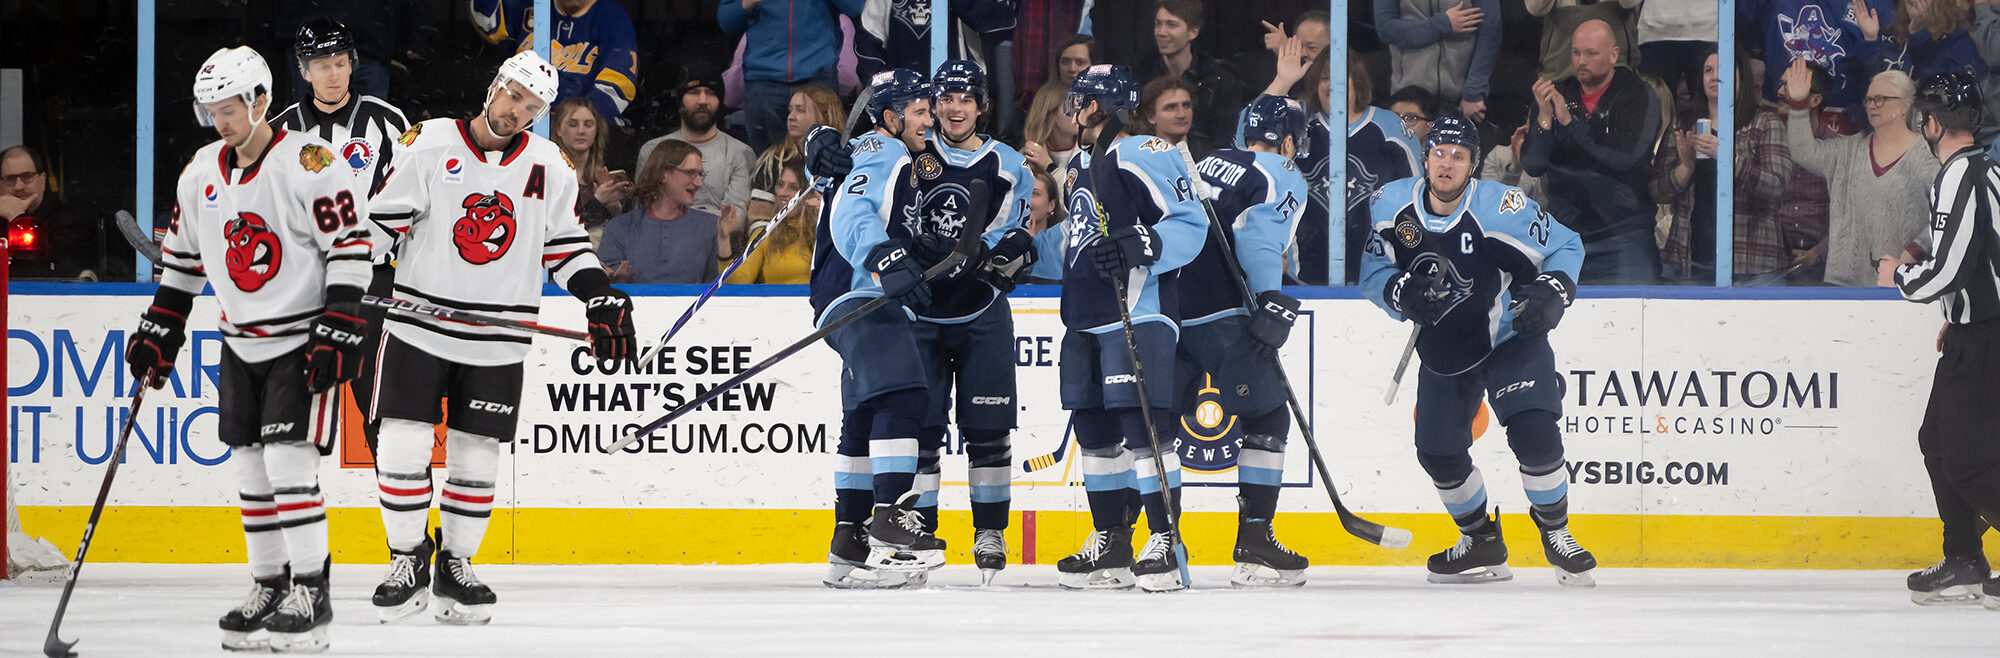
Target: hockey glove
(933, 248)
(1271, 322)
(1539, 306)
(611, 334)
(1008, 260)
(1126, 248)
(333, 351)
(1416, 296)
(162, 331)
(827, 155)
(899, 274)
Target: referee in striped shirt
(1960, 437)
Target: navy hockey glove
(612, 337)
(1271, 322)
(1008, 260)
(933, 248)
(827, 155)
(333, 350)
(1126, 248)
(1418, 297)
(896, 269)
(162, 331)
(1539, 306)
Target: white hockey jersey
(280, 229)
(476, 229)
(363, 134)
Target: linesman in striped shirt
(1961, 449)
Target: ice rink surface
(170, 610)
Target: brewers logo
(410, 135)
(1210, 437)
(1514, 201)
(314, 158)
(1409, 232)
(928, 167)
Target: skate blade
(1498, 573)
(1256, 576)
(986, 577)
(257, 640)
(418, 603)
(1955, 595)
(892, 559)
(453, 613)
(852, 576)
(1120, 578)
(313, 641)
(1162, 582)
(1579, 580)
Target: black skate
(1158, 568)
(461, 599)
(897, 540)
(1258, 550)
(1957, 580)
(243, 627)
(1478, 558)
(405, 591)
(1104, 563)
(989, 552)
(299, 625)
(1572, 563)
(847, 562)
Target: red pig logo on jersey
(487, 229)
(254, 252)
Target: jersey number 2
(333, 213)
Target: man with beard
(727, 160)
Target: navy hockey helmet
(1453, 129)
(322, 37)
(1112, 86)
(960, 76)
(1270, 119)
(895, 88)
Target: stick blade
(54, 647)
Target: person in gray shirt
(665, 239)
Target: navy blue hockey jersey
(874, 203)
(1146, 182)
(1258, 197)
(942, 209)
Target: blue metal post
(142, 196)
(940, 34)
(544, 34)
(1725, 143)
(1336, 138)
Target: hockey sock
(853, 478)
(1537, 445)
(1460, 486)
(1548, 493)
(1107, 467)
(1260, 467)
(1146, 479)
(260, 513)
(929, 476)
(403, 476)
(892, 442)
(989, 461)
(294, 470)
(472, 463)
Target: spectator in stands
(1986, 37)
(1762, 167)
(896, 34)
(1504, 165)
(1051, 137)
(1045, 218)
(1802, 207)
(1176, 26)
(596, 56)
(1378, 151)
(47, 244)
(1076, 54)
(581, 133)
(1044, 31)
(786, 256)
(810, 105)
(1878, 204)
(1313, 32)
(665, 239)
(1675, 37)
(1592, 135)
(1560, 19)
(1447, 47)
(726, 190)
(1817, 31)
(384, 30)
(1926, 37)
(1166, 110)
(1417, 108)
(787, 42)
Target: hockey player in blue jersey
(1258, 197)
(1136, 229)
(864, 249)
(1486, 274)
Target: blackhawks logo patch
(410, 135)
(315, 158)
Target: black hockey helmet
(960, 76)
(1952, 98)
(322, 37)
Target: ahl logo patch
(358, 153)
(314, 158)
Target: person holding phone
(1762, 169)
(665, 238)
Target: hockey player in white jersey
(481, 207)
(272, 211)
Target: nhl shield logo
(1409, 232)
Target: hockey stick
(54, 646)
(962, 251)
(1436, 291)
(1114, 124)
(407, 308)
(1366, 530)
(1045, 461)
(128, 226)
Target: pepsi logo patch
(209, 192)
(210, 198)
(358, 154)
(454, 170)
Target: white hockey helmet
(532, 72)
(231, 72)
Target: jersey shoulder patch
(1513, 201)
(410, 136)
(315, 158)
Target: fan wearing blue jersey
(864, 249)
(1138, 228)
(1486, 274)
(1259, 196)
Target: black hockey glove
(1126, 248)
(827, 155)
(162, 331)
(1539, 306)
(1271, 322)
(609, 313)
(896, 269)
(333, 350)
(1417, 297)
(1009, 260)
(932, 248)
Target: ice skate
(1957, 580)
(1477, 558)
(461, 599)
(1573, 564)
(1105, 562)
(405, 591)
(847, 562)
(299, 625)
(897, 540)
(1263, 562)
(1992, 589)
(989, 552)
(243, 627)
(1158, 568)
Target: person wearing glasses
(58, 249)
(1876, 179)
(1417, 107)
(665, 239)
